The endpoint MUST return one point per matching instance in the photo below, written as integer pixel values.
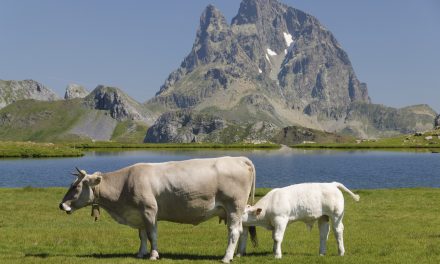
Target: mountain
(274, 73)
(276, 64)
(107, 113)
(12, 91)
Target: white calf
(305, 202)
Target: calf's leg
(143, 247)
(280, 225)
(324, 229)
(338, 229)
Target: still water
(275, 168)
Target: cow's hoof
(154, 255)
(278, 256)
(239, 255)
(141, 255)
(322, 254)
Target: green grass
(41, 121)
(386, 226)
(36, 150)
(129, 132)
(402, 142)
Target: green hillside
(39, 121)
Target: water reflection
(275, 168)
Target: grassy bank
(429, 140)
(39, 150)
(111, 144)
(386, 226)
(36, 150)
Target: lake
(275, 168)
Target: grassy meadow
(386, 226)
(36, 150)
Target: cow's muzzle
(65, 208)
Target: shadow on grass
(172, 256)
(96, 255)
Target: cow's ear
(258, 211)
(93, 180)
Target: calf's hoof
(226, 260)
(278, 256)
(141, 255)
(154, 255)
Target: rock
(12, 91)
(75, 91)
(437, 121)
(428, 138)
(120, 106)
(183, 127)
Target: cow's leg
(324, 229)
(143, 247)
(151, 230)
(234, 229)
(152, 237)
(242, 242)
(338, 229)
(280, 224)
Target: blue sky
(393, 45)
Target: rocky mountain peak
(120, 106)
(281, 55)
(12, 91)
(75, 91)
(254, 11)
(212, 22)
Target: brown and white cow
(190, 192)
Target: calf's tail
(343, 188)
(253, 234)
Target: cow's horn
(81, 173)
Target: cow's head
(80, 193)
(251, 214)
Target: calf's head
(80, 193)
(251, 214)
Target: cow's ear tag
(258, 212)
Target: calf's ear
(258, 211)
(93, 180)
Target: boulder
(75, 91)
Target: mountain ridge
(272, 64)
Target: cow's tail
(253, 229)
(253, 234)
(343, 188)
(253, 174)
